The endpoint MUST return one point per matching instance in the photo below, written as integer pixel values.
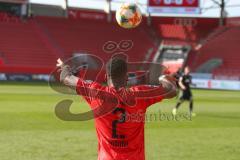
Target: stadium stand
(226, 52)
(6, 17)
(33, 45)
(1, 61)
(184, 32)
(37, 42)
(22, 46)
(84, 36)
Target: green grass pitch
(29, 129)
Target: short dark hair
(116, 68)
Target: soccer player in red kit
(120, 134)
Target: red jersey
(120, 129)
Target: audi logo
(185, 21)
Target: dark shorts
(186, 95)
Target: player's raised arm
(66, 76)
(168, 84)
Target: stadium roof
(209, 8)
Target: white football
(129, 15)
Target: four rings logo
(185, 21)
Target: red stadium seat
(89, 36)
(226, 47)
(33, 45)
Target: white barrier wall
(216, 84)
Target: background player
(118, 137)
(186, 95)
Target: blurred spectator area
(34, 44)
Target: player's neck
(117, 85)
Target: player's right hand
(59, 63)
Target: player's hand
(169, 83)
(59, 63)
(183, 87)
(171, 78)
(65, 71)
(168, 78)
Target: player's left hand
(167, 78)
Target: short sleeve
(87, 89)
